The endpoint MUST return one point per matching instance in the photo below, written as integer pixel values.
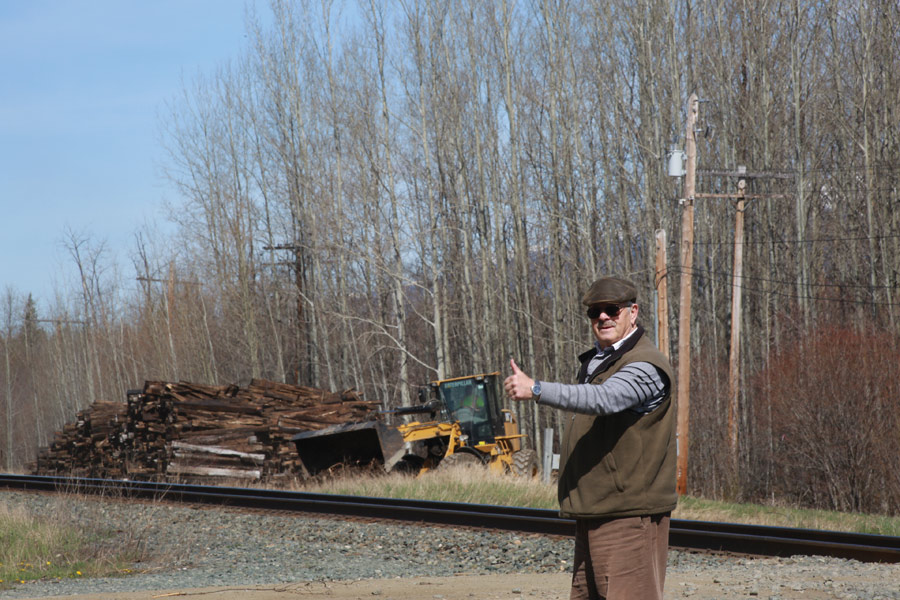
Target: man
(617, 457)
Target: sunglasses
(611, 310)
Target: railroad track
(690, 535)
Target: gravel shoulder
(225, 554)
(465, 587)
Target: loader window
(466, 403)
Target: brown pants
(620, 559)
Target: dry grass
(460, 483)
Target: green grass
(701, 509)
(41, 547)
(476, 486)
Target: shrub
(831, 402)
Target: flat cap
(610, 290)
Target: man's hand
(518, 385)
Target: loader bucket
(349, 444)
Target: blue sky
(83, 84)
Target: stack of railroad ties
(187, 432)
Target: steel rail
(691, 535)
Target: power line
(885, 166)
(747, 174)
(799, 296)
(791, 173)
(806, 241)
(710, 272)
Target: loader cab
(473, 402)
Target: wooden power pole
(735, 348)
(734, 353)
(684, 308)
(662, 294)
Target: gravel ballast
(203, 547)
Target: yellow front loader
(465, 425)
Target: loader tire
(524, 463)
(460, 459)
(410, 465)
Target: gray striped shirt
(639, 387)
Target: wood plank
(178, 469)
(217, 450)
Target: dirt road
(702, 584)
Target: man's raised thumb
(515, 368)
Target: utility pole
(734, 352)
(662, 294)
(684, 312)
(58, 322)
(311, 377)
(170, 309)
(735, 347)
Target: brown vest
(621, 464)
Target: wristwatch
(536, 389)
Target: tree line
(379, 194)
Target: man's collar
(616, 345)
(616, 351)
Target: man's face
(610, 328)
